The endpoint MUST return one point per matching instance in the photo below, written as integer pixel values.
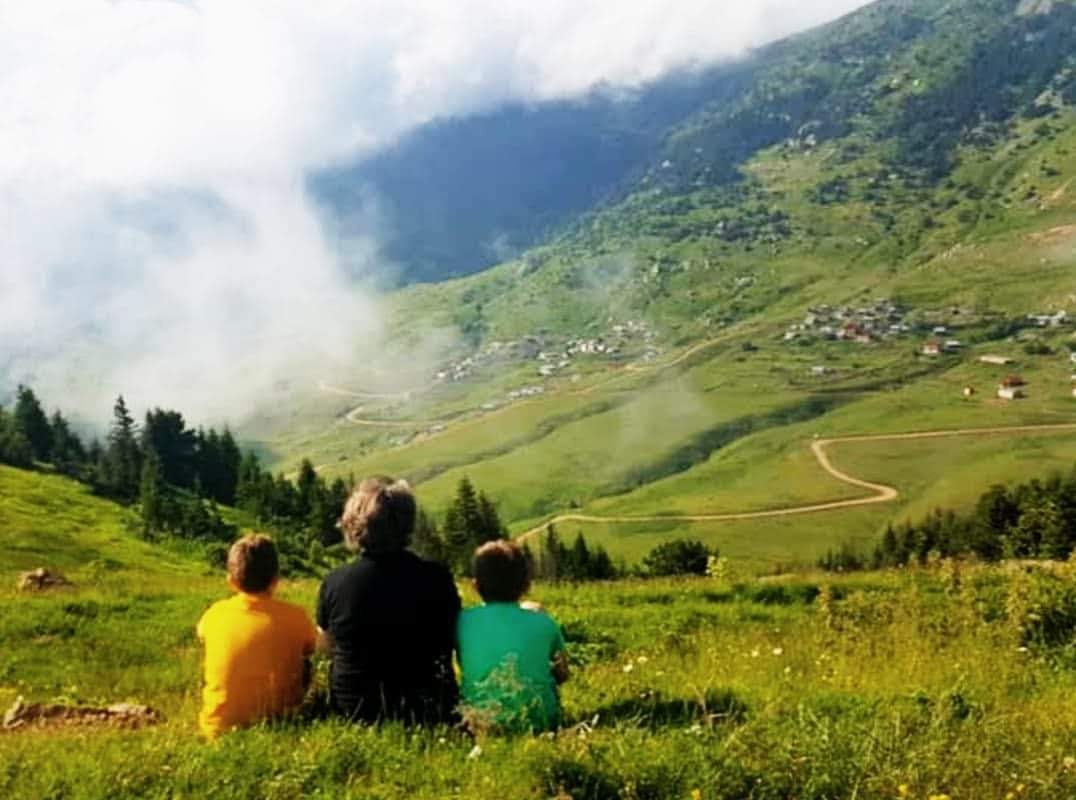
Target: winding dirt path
(881, 493)
(355, 415)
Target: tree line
(182, 480)
(1032, 520)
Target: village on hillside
(877, 321)
(556, 354)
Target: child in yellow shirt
(256, 648)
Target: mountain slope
(906, 82)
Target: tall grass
(940, 681)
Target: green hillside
(949, 681)
(917, 153)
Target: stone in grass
(121, 715)
(40, 579)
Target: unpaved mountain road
(880, 493)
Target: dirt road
(880, 493)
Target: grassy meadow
(935, 682)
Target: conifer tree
(306, 486)
(167, 434)
(457, 541)
(601, 565)
(68, 454)
(151, 495)
(551, 555)
(489, 526)
(121, 464)
(426, 541)
(230, 459)
(31, 421)
(15, 450)
(464, 526)
(577, 564)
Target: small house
(952, 345)
(1011, 388)
(998, 361)
(932, 348)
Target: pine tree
(121, 464)
(176, 446)
(457, 541)
(15, 450)
(68, 454)
(151, 495)
(230, 459)
(551, 555)
(31, 421)
(464, 527)
(306, 486)
(489, 526)
(249, 494)
(577, 566)
(601, 565)
(426, 541)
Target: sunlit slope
(995, 237)
(49, 521)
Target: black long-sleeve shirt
(392, 618)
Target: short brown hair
(253, 563)
(379, 516)
(502, 571)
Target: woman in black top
(389, 616)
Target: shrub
(678, 557)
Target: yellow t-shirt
(255, 648)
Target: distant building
(952, 345)
(999, 361)
(932, 349)
(1072, 357)
(1011, 388)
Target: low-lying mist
(157, 236)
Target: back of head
(379, 516)
(253, 563)
(502, 571)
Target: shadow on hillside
(654, 710)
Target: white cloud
(154, 228)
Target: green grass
(808, 686)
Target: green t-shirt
(505, 656)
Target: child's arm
(561, 670)
(559, 659)
(325, 643)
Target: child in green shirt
(512, 657)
